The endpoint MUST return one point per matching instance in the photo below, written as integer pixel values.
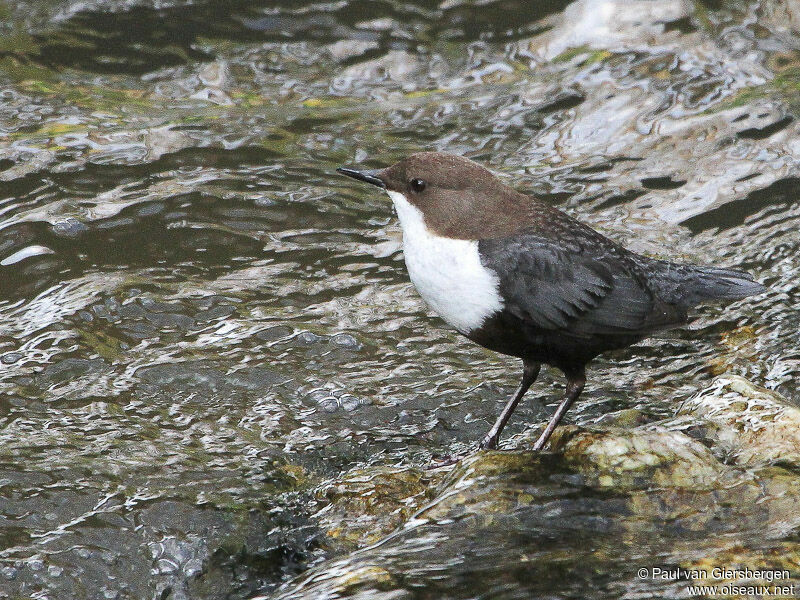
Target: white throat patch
(447, 273)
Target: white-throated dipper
(524, 279)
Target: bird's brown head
(458, 197)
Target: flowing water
(201, 323)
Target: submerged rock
(367, 504)
(749, 424)
(635, 459)
(658, 489)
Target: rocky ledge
(717, 485)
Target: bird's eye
(417, 185)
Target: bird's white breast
(447, 272)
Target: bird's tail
(689, 285)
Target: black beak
(368, 176)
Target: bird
(524, 279)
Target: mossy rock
(367, 504)
(749, 424)
(642, 486)
(630, 459)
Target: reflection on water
(201, 324)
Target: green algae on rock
(366, 504)
(659, 491)
(749, 424)
(634, 459)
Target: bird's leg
(529, 373)
(575, 383)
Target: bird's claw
(444, 461)
(487, 443)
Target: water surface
(201, 323)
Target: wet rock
(661, 488)
(638, 459)
(628, 418)
(750, 424)
(367, 504)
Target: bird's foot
(488, 443)
(448, 460)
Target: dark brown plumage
(568, 293)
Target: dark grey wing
(554, 288)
